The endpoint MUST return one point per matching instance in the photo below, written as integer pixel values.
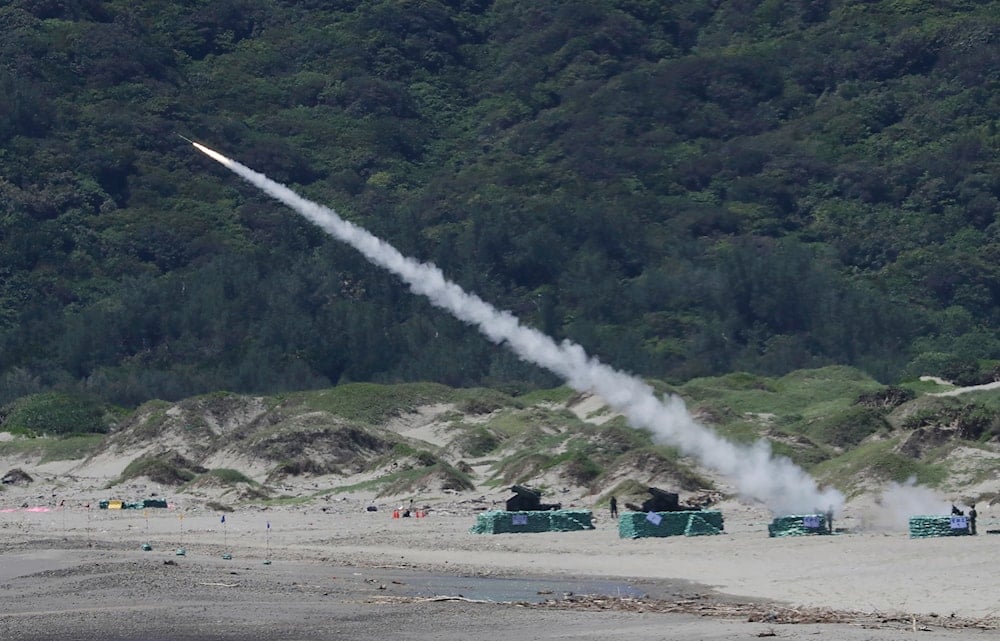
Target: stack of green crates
(501, 521)
(798, 525)
(928, 526)
(570, 520)
(637, 525)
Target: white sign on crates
(812, 522)
(654, 518)
(518, 519)
(959, 523)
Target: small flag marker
(225, 538)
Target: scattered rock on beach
(17, 476)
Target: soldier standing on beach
(614, 508)
(972, 518)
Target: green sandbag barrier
(922, 527)
(698, 526)
(798, 525)
(637, 525)
(502, 522)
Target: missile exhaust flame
(781, 485)
(214, 155)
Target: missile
(214, 155)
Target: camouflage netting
(798, 525)
(500, 521)
(927, 526)
(637, 525)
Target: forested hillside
(684, 188)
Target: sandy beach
(329, 569)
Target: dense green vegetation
(55, 414)
(685, 188)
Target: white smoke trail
(900, 501)
(781, 485)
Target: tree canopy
(684, 188)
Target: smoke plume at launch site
(899, 501)
(781, 485)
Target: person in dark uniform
(829, 519)
(614, 508)
(972, 518)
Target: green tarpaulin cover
(501, 521)
(637, 525)
(927, 526)
(798, 525)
